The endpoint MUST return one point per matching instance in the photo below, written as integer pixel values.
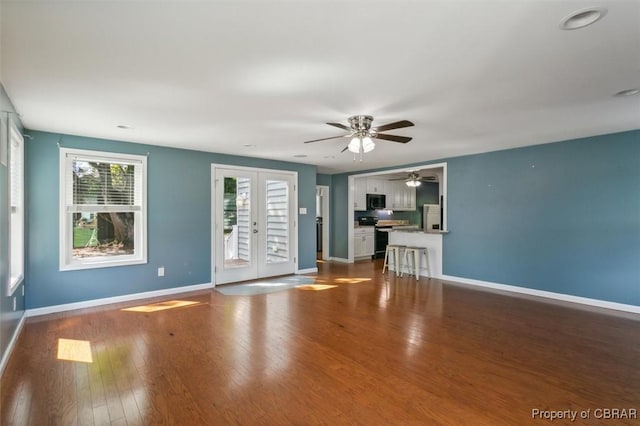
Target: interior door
(254, 224)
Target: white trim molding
(116, 299)
(546, 294)
(339, 259)
(12, 344)
(68, 206)
(307, 271)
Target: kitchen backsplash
(413, 217)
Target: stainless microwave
(376, 201)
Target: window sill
(75, 266)
(14, 283)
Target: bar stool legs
(395, 252)
(416, 253)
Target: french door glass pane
(277, 228)
(237, 222)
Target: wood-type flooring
(374, 350)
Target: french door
(253, 226)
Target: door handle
(255, 231)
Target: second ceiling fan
(362, 134)
(414, 178)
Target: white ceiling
(220, 75)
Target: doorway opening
(322, 222)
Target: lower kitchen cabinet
(363, 242)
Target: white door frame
(214, 225)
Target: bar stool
(416, 253)
(395, 251)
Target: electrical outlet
(14, 303)
(161, 271)
(23, 290)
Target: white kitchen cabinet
(360, 194)
(403, 197)
(363, 242)
(375, 186)
(389, 190)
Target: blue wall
(322, 179)
(179, 221)
(9, 319)
(561, 217)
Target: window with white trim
(16, 206)
(103, 209)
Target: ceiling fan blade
(324, 139)
(393, 138)
(340, 126)
(391, 126)
(344, 149)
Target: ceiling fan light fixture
(354, 145)
(367, 144)
(358, 145)
(413, 183)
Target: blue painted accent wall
(179, 221)
(562, 217)
(322, 179)
(9, 319)
(339, 196)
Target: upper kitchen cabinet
(360, 194)
(402, 197)
(375, 186)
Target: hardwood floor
(375, 350)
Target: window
(103, 209)
(16, 206)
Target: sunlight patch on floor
(315, 287)
(74, 350)
(353, 280)
(161, 306)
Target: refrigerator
(431, 216)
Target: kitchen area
(406, 208)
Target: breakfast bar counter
(432, 241)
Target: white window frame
(16, 205)
(67, 262)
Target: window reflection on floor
(161, 306)
(74, 350)
(315, 287)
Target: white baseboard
(116, 299)
(307, 271)
(339, 259)
(12, 344)
(547, 294)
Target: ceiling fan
(361, 133)
(414, 179)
